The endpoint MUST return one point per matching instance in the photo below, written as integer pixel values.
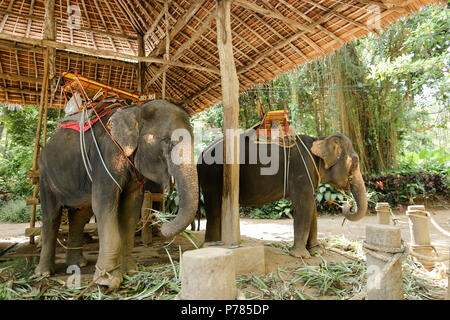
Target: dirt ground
(275, 235)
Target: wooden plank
(32, 201)
(49, 33)
(64, 229)
(146, 213)
(230, 99)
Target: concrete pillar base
(249, 259)
(208, 274)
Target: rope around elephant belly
(304, 163)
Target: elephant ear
(125, 129)
(329, 150)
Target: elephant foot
(299, 253)
(44, 269)
(129, 265)
(317, 249)
(111, 279)
(76, 259)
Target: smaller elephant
(330, 159)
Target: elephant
(142, 143)
(335, 163)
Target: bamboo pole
(230, 100)
(44, 94)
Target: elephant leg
(303, 219)
(105, 207)
(313, 244)
(213, 207)
(51, 219)
(77, 220)
(129, 211)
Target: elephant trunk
(359, 193)
(185, 176)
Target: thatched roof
(269, 37)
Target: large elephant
(334, 160)
(149, 135)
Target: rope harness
(82, 128)
(287, 142)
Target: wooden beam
(183, 48)
(273, 14)
(140, 80)
(13, 77)
(181, 22)
(102, 53)
(166, 55)
(155, 23)
(49, 33)
(384, 5)
(230, 229)
(252, 65)
(63, 229)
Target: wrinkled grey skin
(144, 133)
(338, 165)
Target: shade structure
(100, 40)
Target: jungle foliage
(389, 94)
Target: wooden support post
(44, 94)
(146, 213)
(49, 33)
(49, 73)
(230, 101)
(166, 55)
(420, 233)
(389, 286)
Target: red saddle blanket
(103, 108)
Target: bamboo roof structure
(151, 46)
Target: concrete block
(249, 259)
(208, 274)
